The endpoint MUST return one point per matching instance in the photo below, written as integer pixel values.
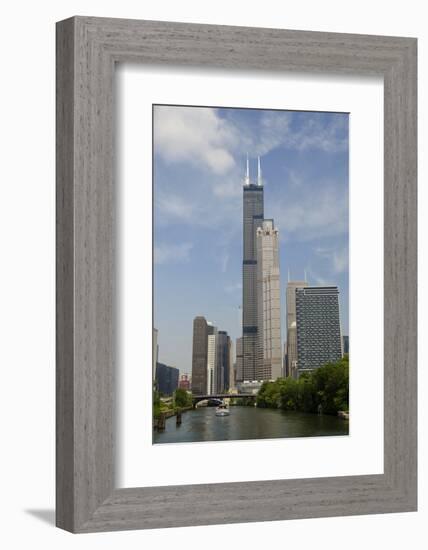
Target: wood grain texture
(87, 49)
(64, 277)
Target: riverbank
(165, 415)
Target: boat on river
(222, 410)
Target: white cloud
(228, 188)
(195, 135)
(172, 253)
(341, 260)
(175, 207)
(316, 278)
(233, 287)
(325, 137)
(275, 129)
(314, 212)
(338, 258)
(294, 179)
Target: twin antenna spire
(259, 173)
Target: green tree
(307, 401)
(326, 387)
(269, 395)
(156, 402)
(331, 385)
(289, 394)
(182, 398)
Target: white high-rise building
(211, 362)
(269, 364)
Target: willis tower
(253, 212)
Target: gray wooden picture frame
(87, 50)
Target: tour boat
(222, 410)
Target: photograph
(250, 274)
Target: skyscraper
(291, 326)
(269, 363)
(223, 362)
(211, 362)
(232, 370)
(239, 360)
(319, 339)
(199, 355)
(166, 378)
(253, 215)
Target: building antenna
(247, 174)
(288, 274)
(305, 276)
(259, 172)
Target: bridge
(220, 396)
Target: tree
(289, 394)
(269, 395)
(326, 389)
(182, 398)
(156, 402)
(307, 395)
(331, 384)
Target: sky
(199, 165)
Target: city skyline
(198, 234)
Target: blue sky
(199, 163)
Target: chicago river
(202, 424)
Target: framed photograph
(236, 274)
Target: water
(248, 423)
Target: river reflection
(248, 423)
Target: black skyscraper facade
(253, 212)
(223, 361)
